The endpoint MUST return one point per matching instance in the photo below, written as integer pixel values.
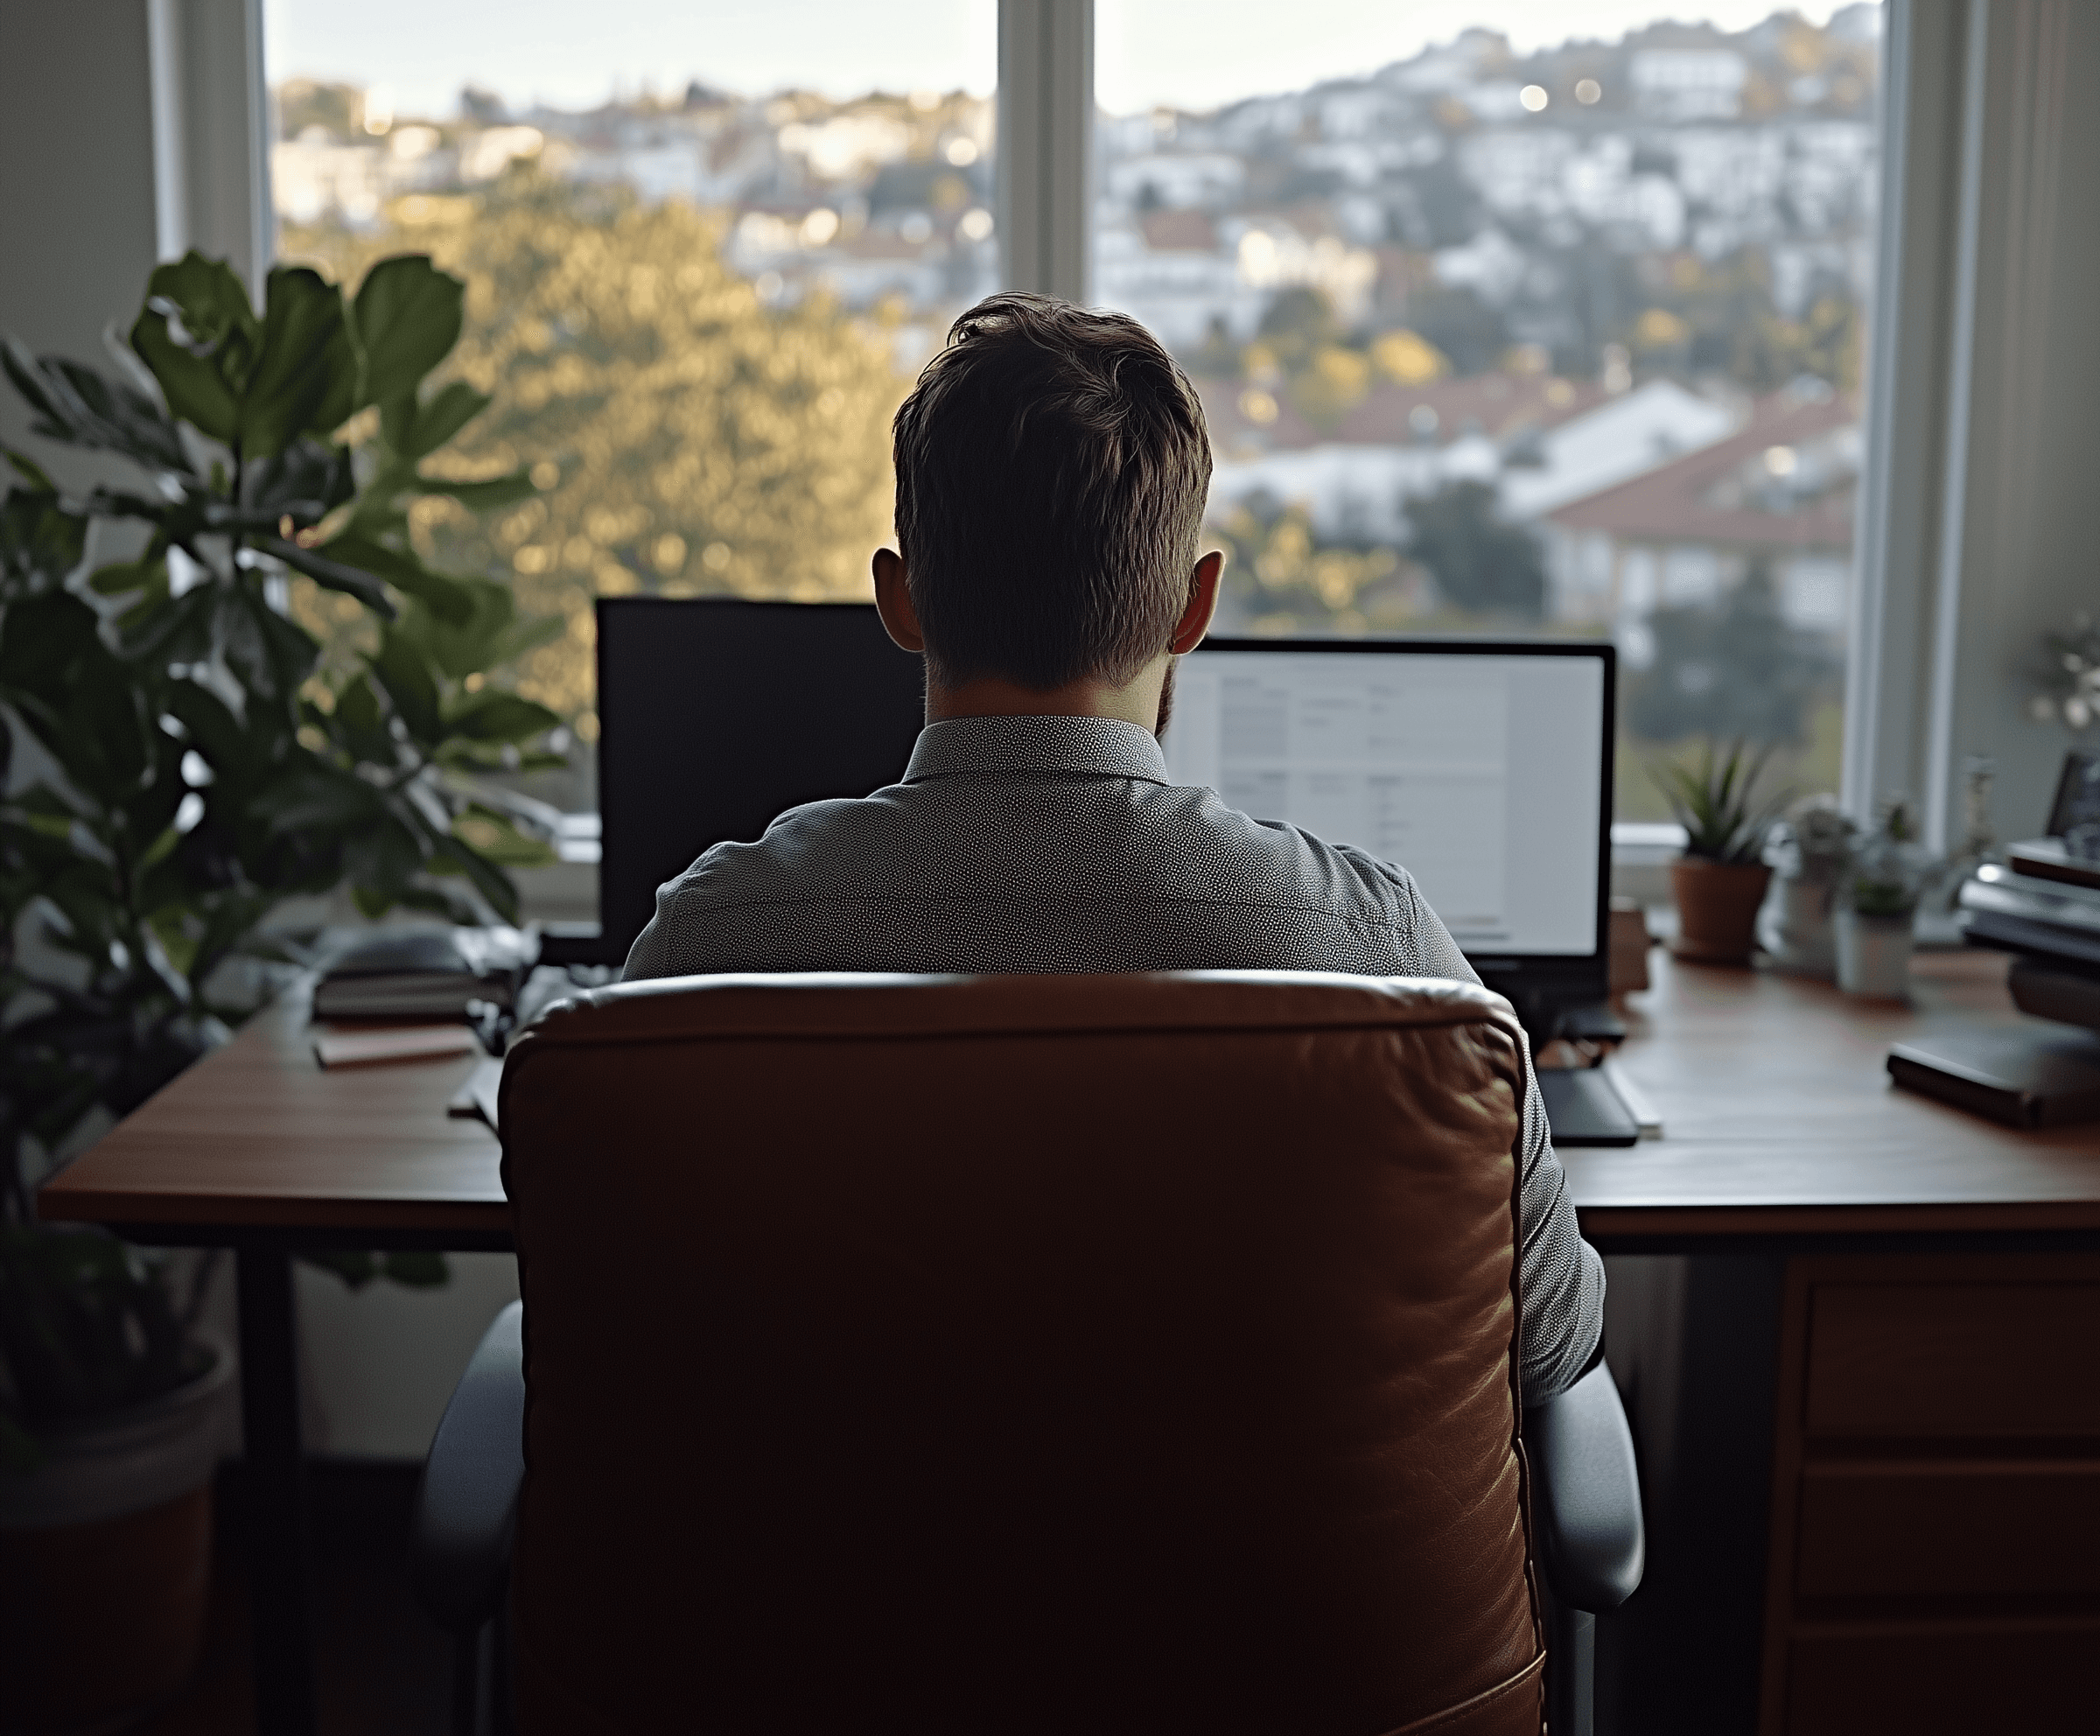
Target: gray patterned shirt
(1023, 844)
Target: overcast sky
(1192, 53)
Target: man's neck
(992, 697)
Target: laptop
(1485, 768)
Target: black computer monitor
(1483, 767)
(716, 715)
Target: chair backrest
(1021, 1355)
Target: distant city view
(1563, 341)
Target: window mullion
(1045, 151)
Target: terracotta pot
(106, 1560)
(1717, 908)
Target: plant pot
(106, 1559)
(1717, 908)
(1794, 926)
(1873, 955)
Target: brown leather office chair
(1022, 1355)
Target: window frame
(1903, 716)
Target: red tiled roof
(1232, 429)
(1674, 503)
(1179, 231)
(1494, 404)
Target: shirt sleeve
(1561, 1276)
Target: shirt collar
(1105, 747)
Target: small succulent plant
(1889, 865)
(2068, 677)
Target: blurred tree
(1482, 563)
(1734, 668)
(1736, 326)
(1332, 384)
(337, 109)
(689, 439)
(1408, 359)
(1297, 323)
(1218, 354)
(1461, 326)
(1278, 578)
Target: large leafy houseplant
(181, 760)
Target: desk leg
(269, 1403)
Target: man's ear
(1202, 604)
(893, 602)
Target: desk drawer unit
(1934, 1553)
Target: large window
(1511, 317)
(707, 249)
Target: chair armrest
(468, 1502)
(1588, 1501)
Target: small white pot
(1873, 955)
(1795, 926)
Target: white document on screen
(1414, 760)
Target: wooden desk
(1784, 1135)
(258, 1150)
(1779, 1119)
(1883, 1509)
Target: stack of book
(424, 973)
(2042, 901)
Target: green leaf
(350, 580)
(271, 654)
(318, 797)
(441, 901)
(418, 1271)
(380, 860)
(446, 598)
(482, 497)
(121, 576)
(202, 370)
(180, 632)
(197, 392)
(303, 380)
(29, 470)
(493, 714)
(407, 317)
(43, 643)
(431, 424)
(211, 299)
(213, 730)
(40, 542)
(360, 725)
(494, 636)
(461, 858)
(496, 837)
(80, 407)
(307, 479)
(407, 679)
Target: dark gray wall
(76, 182)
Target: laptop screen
(1485, 770)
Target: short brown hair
(1051, 467)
